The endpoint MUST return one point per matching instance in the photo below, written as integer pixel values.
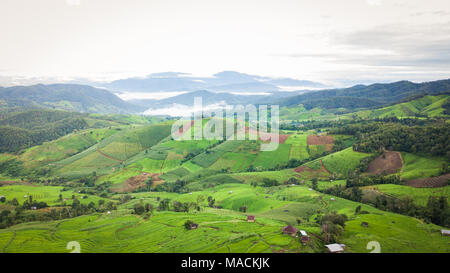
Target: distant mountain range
(227, 81)
(83, 98)
(360, 96)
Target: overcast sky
(330, 41)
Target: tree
(187, 224)
(332, 226)
(75, 204)
(2, 199)
(315, 183)
(139, 208)
(357, 209)
(14, 202)
(211, 201)
(91, 205)
(149, 208)
(243, 209)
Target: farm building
(250, 218)
(304, 236)
(332, 199)
(445, 232)
(290, 230)
(193, 226)
(335, 248)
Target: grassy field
(416, 166)
(419, 195)
(47, 194)
(63, 147)
(299, 146)
(340, 162)
(428, 105)
(225, 230)
(269, 159)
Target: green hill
(430, 106)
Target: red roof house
(290, 230)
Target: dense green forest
(429, 139)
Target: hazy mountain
(367, 95)
(229, 81)
(207, 99)
(72, 97)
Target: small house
(304, 236)
(290, 230)
(335, 248)
(250, 218)
(445, 232)
(33, 208)
(332, 199)
(193, 226)
(230, 192)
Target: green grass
(299, 146)
(47, 194)
(269, 159)
(316, 149)
(416, 166)
(428, 105)
(63, 147)
(210, 156)
(100, 233)
(225, 230)
(419, 195)
(340, 162)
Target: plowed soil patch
(390, 163)
(320, 140)
(137, 182)
(432, 182)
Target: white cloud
(374, 2)
(73, 2)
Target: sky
(333, 42)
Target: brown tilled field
(432, 182)
(137, 182)
(320, 140)
(390, 163)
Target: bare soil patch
(320, 140)
(389, 163)
(432, 182)
(137, 182)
